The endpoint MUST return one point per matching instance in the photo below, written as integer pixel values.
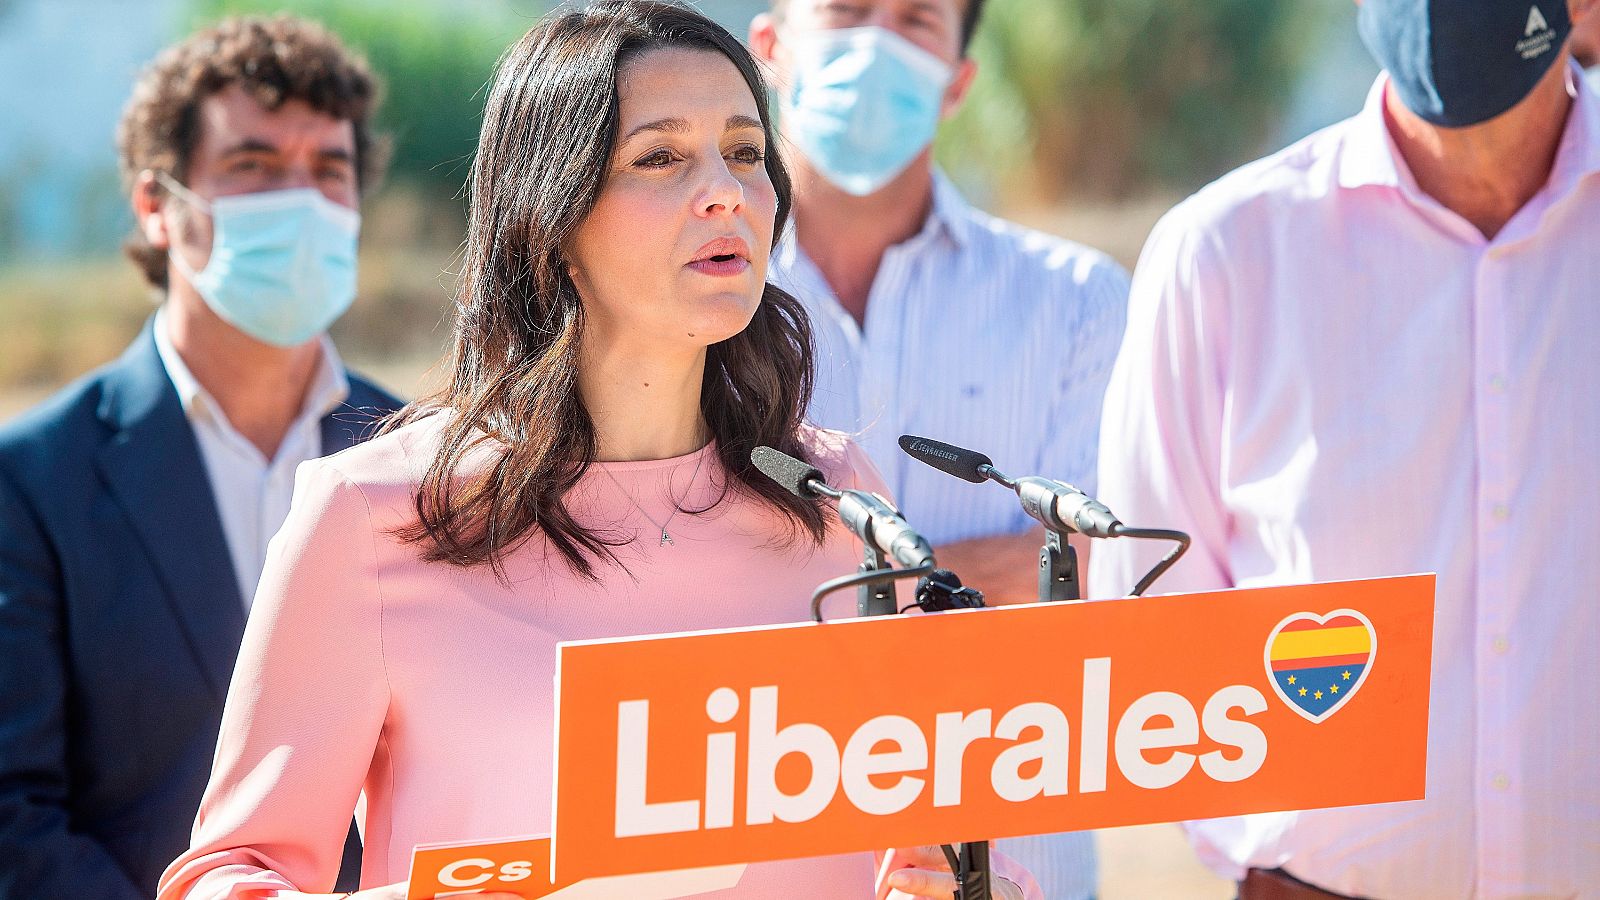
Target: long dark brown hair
(549, 129)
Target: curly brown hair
(274, 60)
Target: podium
(741, 746)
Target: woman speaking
(585, 474)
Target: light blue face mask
(283, 263)
(862, 103)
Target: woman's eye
(660, 159)
(749, 154)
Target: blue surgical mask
(1460, 62)
(862, 103)
(283, 263)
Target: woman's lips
(721, 266)
(722, 257)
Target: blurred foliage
(1075, 98)
(57, 322)
(1095, 101)
(435, 61)
(1111, 98)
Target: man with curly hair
(136, 505)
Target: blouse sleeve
(304, 710)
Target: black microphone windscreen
(786, 470)
(947, 458)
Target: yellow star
(1334, 688)
(1317, 695)
(1291, 679)
(1302, 692)
(1346, 674)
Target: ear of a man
(960, 83)
(764, 36)
(146, 200)
(1585, 40)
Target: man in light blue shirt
(932, 317)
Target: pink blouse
(426, 689)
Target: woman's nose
(722, 193)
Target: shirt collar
(1369, 155)
(951, 212)
(329, 387)
(950, 215)
(1579, 154)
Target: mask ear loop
(182, 192)
(179, 190)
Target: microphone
(967, 465)
(1055, 504)
(871, 517)
(1042, 497)
(796, 476)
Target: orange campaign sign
(805, 740)
(521, 866)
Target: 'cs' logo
(1317, 663)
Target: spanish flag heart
(1317, 663)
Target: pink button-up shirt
(1329, 375)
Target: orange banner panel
(806, 740)
(521, 866)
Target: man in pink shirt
(1373, 353)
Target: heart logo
(1317, 663)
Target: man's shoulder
(1267, 189)
(1039, 255)
(361, 414)
(388, 467)
(59, 430)
(1044, 284)
(368, 395)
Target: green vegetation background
(1083, 105)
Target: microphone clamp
(942, 590)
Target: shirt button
(1501, 782)
(1500, 645)
(1500, 512)
(1497, 384)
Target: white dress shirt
(991, 336)
(252, 492)
(1328, 375)
(978, 332)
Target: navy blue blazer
(120, 618)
